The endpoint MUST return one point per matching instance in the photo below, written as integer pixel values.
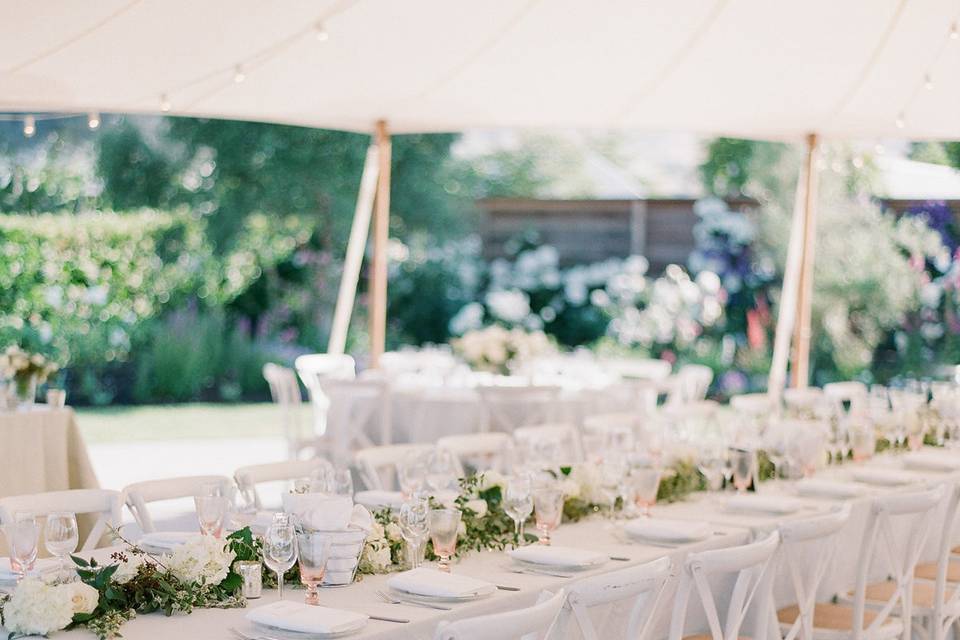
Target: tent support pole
(354, 257)
(800, 372)
(381, 236)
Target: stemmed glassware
(711, 464)
(414, 528)
(243, 508)
(61, 536)
(644, 481)
(23, 539)
(314, 551)
(518, 502)
(280, 549)
(744, 464)
(412, 473)
(441, 470)
(444, 525)
(343, 482)
(548, 510)
(211, 514)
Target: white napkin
(166, 540)
(884, 477)
(828, 488)
(304, 618)
(379, 499)
(757, 503)
(41, 567)
(931, 461)
(320, 511)
(557, 556)
(662, 530)
(432, 583)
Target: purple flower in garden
(938, 217)
(733, 382)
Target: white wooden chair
(807, 552)
(803, 400)
(377, 465)
(638, 368)
(507, 408)
(248, 477)
(531, 623)
(481, 451)
(613, 427)
(285, 391)
(140, 494)
(851, 392)
(751, 593)
(868, 612)
(689, 384)
(564, 439)
(354, 406)
(102, 502)
(629, 395)
(315, 368)
(752, 404)
(642, 584)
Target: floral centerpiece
(26, 370)
(498, 350)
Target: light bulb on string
(928, 82)
(320, 32)
(29, 126)
(93, 120)
(165, 105)
(901, 122)
(238, 74)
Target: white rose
(490, 479)
(478, 506)
(83, 597)
(376, 532)
(126, 571)
(461, 529)
(37, 608)
(394, 534)
(570, 488)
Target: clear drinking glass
(518, 502)
(412, 473)
(343, 482)
(23, 539)
(212, 513)
(444, 525)
(413, 527)
(280, 549)
(744, 464)
(863, 440)
(61, 536)
(548, 509)
(645, 483)
(314, 551)
(244, 508)
(441, 470)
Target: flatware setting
(408, 601)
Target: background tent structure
(789, 70)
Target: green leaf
(80, 562)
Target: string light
(320, 32)
(93, 120)
(165, 105)
(238, 74)
(29, 126)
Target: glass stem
(280, 584)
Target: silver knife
(386, 619)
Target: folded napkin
(779, 505)
(40, 567)
(323, 512)
(828, 488)
(557, 556)
(884, 477)
(166, 540)
(432, 583)
(662, 530)
(304, 618)
(932, 461)
(379, 499)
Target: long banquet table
(728, 529)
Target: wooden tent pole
(381, 236)
(800, 372)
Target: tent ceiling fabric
(749, 68)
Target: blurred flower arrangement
(498, 350)
(26, 370)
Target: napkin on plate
(779, 505)
(429, 582)
(304, 618)
(828, 488)
(932, 461)
(41, 567)
(378, 499)
(663, 530)
(166, 540)
(557, 556)
(884, 477)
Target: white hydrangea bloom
(38, 608)
(202, 558)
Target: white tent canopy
(750, 68)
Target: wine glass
(518, 502)
(280, 549)
(61, 536)
(645, 483)
(413, 527)
(244, 508)
(211, 513)
(612, 473)
(314, 551)
(441, 470)
(744, 463)
(343, 482)
(548, 509)
(23, 538)
(711, 465)
(412, 473)
(444, 526)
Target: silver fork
(415, 603)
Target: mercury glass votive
(252, 575)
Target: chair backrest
(638, 368)
(751, 593)
(807, 550)
(690, 384)
(353, 404)
(285, 391)
(510, 407)
(531, 622)
(899, 553)
(610, 430)
(139, 494)
(852, 392)
(377, 465)
(103, 502)
(803, 398)
(753, 404)
(946, 610)
(313, 369)
(250, 476)
(480, 451)
(643, 584)
(563, 437)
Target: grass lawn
(179, 421)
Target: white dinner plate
(885, 477)
(476, 595)
(664, 531)
(831, 489)
(764, 504)
(257, 629)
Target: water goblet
(441, 470)
(211, 514)
(23, 539)
(413, 528)
(744, 464)
(314, 550)
(343, 482)
(280, 549)
(645, 484)
(243, 508)
(61, 536)
(518, 502)
(412, 473)
(444, 526)
(548, 510)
